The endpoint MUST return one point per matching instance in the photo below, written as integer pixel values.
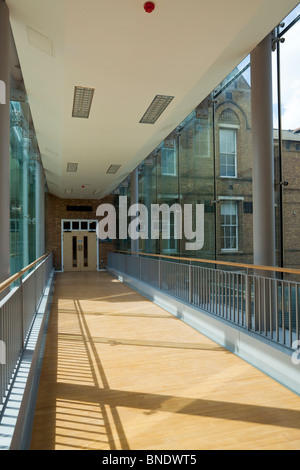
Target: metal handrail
(4, 285)
(223, 263)
(266, 306)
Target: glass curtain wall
(207, 160)
(287, 138)
(124, 244)
(27, 190)
(233, 166)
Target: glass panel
(168, 162)
(233, 165)
(67, 226)
(124, 244)
(74, 252)
(85, 251)
(75, 225)
(196, 175)
(92, 226)
(168, 191)
(25, 178)
(84, 225)
(17, 124)
(148, 196)
(290, 135)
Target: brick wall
(56, 211)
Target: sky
(289, 76)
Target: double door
(80, 251)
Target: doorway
(79, 246)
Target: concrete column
(4, 142)
(40, 210)
(134, 192)
(263, 154)
(25, 212)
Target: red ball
(149, 7)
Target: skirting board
(274, 361)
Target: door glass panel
(84, 225)
(85, 251)
(74, 252)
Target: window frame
(233, 128)
(168, 173)
(223, 236)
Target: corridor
(121, 373)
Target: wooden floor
(121, 373)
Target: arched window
(228, 116)
(228, 127)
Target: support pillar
(263, 178)
(263, 154)
(39, 210)
(25, 213)
(4, 142)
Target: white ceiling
(183, 49)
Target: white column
(263, 172)
(4, 143)
(39, 211)
(25, 212)
(263, 154)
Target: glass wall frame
(212, 162)
(27, 189)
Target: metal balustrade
(250, 297)
(17, 312)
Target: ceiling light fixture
(112, 170)
(82, 101)
(156, 108)
(72, 167)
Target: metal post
(159, 273)
(263, 154)
(140, 277)
(190, 283)
(22, 311)
(4, 143)
(248, 301)
(263, 165)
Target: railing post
(22, 311)
(159, 273)
(248, 301)
(190, 283)
(140, 267)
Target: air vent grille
(72, 167)
(112, 170)
(156, 108)
(83, 97)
